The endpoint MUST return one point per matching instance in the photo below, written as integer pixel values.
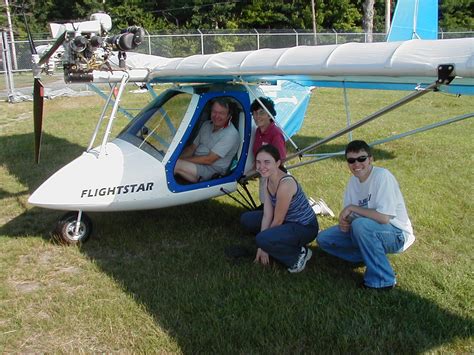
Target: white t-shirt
(381, 192)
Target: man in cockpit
(213, 148)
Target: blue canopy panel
(291, 101)
(414, 19)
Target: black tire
(64, 232)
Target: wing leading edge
(382, 65)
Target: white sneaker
(325, 210)
(300, 264)
(317, 208)
(314, 206)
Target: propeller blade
(30, 38)
(59, 41)
(38, 99)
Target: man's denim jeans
(367, 241)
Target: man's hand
(345, 219)
(262, 257)
(209, 159)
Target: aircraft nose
(112, 181)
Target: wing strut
(383, 111)
(445, 76)
(323, 156)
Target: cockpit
(155, 127)
(169, 123)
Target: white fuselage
(125, 178)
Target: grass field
(159, 281)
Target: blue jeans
(367, 241)
(282, 242)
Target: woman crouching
(287, 222)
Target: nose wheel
(73, 228)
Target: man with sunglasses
(374, 221)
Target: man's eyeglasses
(360, 159)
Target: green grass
(25, 79)
(158, 281)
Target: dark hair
(357, 146)
(224, 102)
(267, 102)
(270, 149)
(274, 152)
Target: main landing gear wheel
(66, 227)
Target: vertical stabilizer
(414, 19)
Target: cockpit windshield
(155, 127)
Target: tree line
(189, 15)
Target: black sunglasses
(360, 159)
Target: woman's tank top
(299, 210)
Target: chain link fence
(209, 42)
(15, 56)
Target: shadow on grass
(17, 156)
(208, 304)
(172, 262)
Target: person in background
(374, 221)
(287, 223)
(267, 132)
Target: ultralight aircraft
(135, 170)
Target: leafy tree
(266, 14)
(341, 15)
(379, 14)
(456, 15)
(206, 15)
(3, 18)
(126, 14)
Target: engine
(88, 46)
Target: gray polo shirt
(223, 142)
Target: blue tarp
(291, 101)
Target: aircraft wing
(383, 65)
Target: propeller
(38, 90)
(38, 100)
(38, 87)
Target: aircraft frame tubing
(113, 114)
(324, 156)
(101, 118)
(410, 97)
